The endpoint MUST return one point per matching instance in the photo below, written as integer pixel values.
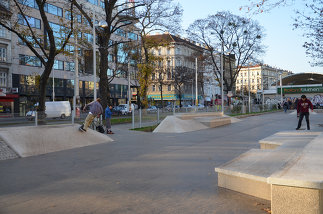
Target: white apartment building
(258, 77)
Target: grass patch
(120, 120)
(146, 129)
(254, 113)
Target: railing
(137, 118)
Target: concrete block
(296, 200)
(244, 185)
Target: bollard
(157, 115)
(140, 118)
(36, 118)
(133, 118)
(73, 116)
(174, 110)
(101, 119)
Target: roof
(168, 38)
(303, 79)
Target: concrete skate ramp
(173, 124)
(192, 122)
(36, 140)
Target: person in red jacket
(303, 107)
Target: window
(168, 51)
(132, 36)
(154, 88)
(52, 9)
(159, 52)
(121, 32)
(3, 54)
(29, 60)
(69, 48)
(33, 22)
(102, 4)
(2, 32)
(58, 65)
(70, 66)
(30, 39)
(169, 87)
(160, 63)
(153, 76)
(168, 63)
(88, 37)
(3, 79)
(95, 2)
(29, 3)
(169, 75)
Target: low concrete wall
(296, 200)
(35, 140)
(289, 168)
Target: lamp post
(129, 88)
(281, 89)
(53, 92)
(249, 99)
(221, 67)
(101, 24)
(263, 92)
(196, 94)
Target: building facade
(20, 68)
(175, 70)
(258, 77)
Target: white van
(54, 109)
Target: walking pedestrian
(95, 111)
(303, 108)
(108, 115)
(285, 106)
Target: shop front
(7, 101)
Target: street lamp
(101, 24)
(196, 94)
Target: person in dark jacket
(303, 107)
(108, 115)
(95, 111)
(285, 106)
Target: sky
(284, 45)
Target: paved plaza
(144, 173)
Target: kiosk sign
(301, 90)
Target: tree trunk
(161, 96)
(42, 90)
(104, 83)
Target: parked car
(187, 106)
(124, 108)
(200, 106)
(56, 109)
(116, 110)
(152, 109)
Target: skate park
(260, 163)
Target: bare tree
(238, 39)
(118, 16)
(309, 19)
(45, 45)
(160, 77)
(154, 16)
(181, 76)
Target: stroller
(97, 125)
